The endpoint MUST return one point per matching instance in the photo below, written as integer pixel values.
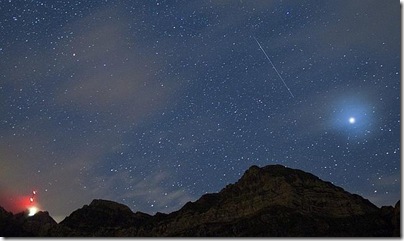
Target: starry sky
(154, 103)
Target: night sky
(155, 103)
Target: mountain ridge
(269, 201)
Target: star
(352, 120)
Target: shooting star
(273, 66)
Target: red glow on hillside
(17, 203)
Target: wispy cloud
(114, 74)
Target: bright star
(352, 120)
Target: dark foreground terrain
(269, 201)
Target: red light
(17, 202)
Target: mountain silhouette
(272, 201)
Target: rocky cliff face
(269, 201)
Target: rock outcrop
(101, 218)
(22, 225)
(271, 201)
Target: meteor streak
(273, 66)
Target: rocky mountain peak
(293, 188)
(109, 205)
(42, 217)
(100, 213)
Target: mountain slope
(268, 201)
